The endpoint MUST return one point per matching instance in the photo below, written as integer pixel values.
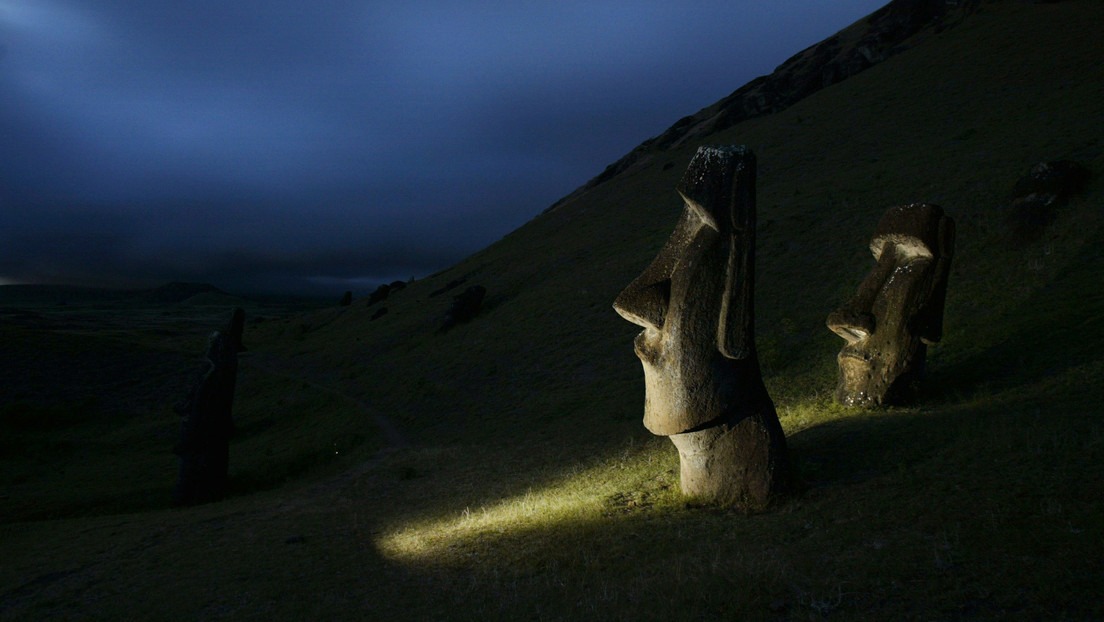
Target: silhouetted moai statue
(381, 294)
(898, 309)
(465, 306)
(208, 423)
(703, 384)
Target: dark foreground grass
(981, 510)
(498, 470)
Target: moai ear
(930, 316)
(736, 326)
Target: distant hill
(177, 291)
(519, 481)
(894, 28)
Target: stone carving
(381, 294)
(898, 309)
(703, 385)
(465, 306)
(1038, 195)
(208, 423)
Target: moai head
(898, 308)
(695, 299)
(703, 386)
(234, 329)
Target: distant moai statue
(207, 420)
(898, 309)
(465, 306)
(381, 294)
(702, 379)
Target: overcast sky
(336, 144)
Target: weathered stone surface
(465, 306)
(1037, 196)
(1061, 178)
(898, 309)
(703, 385)
(207, 420)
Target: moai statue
(898, 309)
(208, 423)
(703, 386)
(465, 306)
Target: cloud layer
(271, 144)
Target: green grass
(525, 486)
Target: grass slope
(511, 477)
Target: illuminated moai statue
(207, 420)
(898, 309)
(702, 379)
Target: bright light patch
(581, 497)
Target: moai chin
(898, 309)
(703, 385)
(207, 419)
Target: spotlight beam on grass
(637, 479)
(583, 496)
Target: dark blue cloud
(255, 143)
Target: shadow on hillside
(1058, 327)
(890, 466)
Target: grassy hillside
(500, 470)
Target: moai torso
(208, 423)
